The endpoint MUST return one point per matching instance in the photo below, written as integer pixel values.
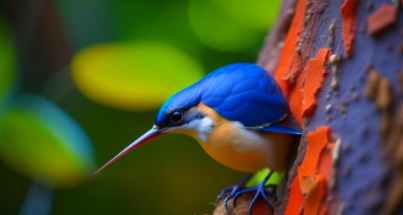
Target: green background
(171, 175)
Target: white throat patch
(201, 126)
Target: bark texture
(340, 63)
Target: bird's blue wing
(287, 126)
(245, 93)
(240, 92)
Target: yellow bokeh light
(133, 76)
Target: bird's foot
(260, 191)
(228, 191)
(232, 190)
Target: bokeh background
(81, 79)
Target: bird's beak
(147, 137)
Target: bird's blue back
(240, 92)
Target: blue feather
(288, 126)
(280, 129)
(240, 92)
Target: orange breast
(239, 148)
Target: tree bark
(340, 64)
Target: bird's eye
(177, 116)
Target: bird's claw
(259, 190)
(231, 190)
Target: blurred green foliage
(231, 26)
(128, 57)
(133, 76)
(7, 62)
(40, 140)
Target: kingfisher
(240, 117)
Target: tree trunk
(340, 64)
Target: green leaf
(259, 176)
(133, 76)
(38, 139)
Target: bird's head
(179, 114)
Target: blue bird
(240, 117)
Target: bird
(239, 115)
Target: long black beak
(147, 137)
